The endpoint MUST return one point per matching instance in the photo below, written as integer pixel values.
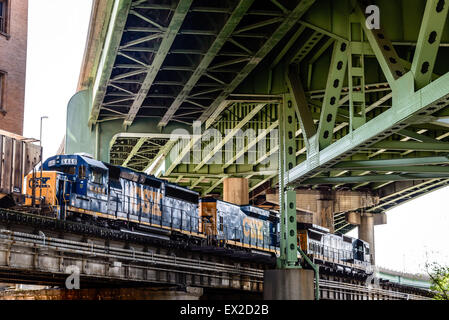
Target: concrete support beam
(235, 190)
(289, 284)
(316, 207)
(366, 232)
(366, 223)
(325, 211)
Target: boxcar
(18, 157)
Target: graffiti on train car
(253, 228)
(145, 200)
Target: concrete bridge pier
(288, 284)
(235, 190)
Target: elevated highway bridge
(341, 104)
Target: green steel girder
(417, 136)
(428, 100)
(374, 178)
(112, 42)
(212, 187)
(337, 73)
(230, 135)
(429, 40)
(411, 145)
(383, 48)
(262, 135)
(403, 162)
(134, 151)
(300, 102)
(412, 169)
(217, 106)
(167, 40)
(232, 22)
(356, 75)
(301, 50)
(287, 196)
(408, 194)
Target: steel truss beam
(114, 35)
(230, 135)
(383, 48)
(287, 196)
(215, 109)
(168, 38)
(300, 101)
(134, 151)
(426, 101)
(220, 40)
(429, 40)
(411, 145)
(251, 144)
(337, 72)
(374, 178)
(213, 186)
(387, 163)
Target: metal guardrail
(130, 256)
(367, 292)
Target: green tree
(439, 276)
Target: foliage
(439, 275)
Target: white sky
(56, 41)
(57, 31)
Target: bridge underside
(370, 105)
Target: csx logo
(253, 228)
(39, 182)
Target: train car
(343, 252)
(240, 226)
(18, 156)
(79, 187)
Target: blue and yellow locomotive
(77, 187)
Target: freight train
(77, 187)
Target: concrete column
(288, 284)
(235, 190)
(366, 232)
(325, 211)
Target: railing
(359, 292)
(102, 252)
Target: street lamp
(40, 136)
(42, 160)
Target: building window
(2, 92)
(4, 16)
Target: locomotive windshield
(68, 169)
(96, 176)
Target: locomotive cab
(71, 181)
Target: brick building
(13, 50)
